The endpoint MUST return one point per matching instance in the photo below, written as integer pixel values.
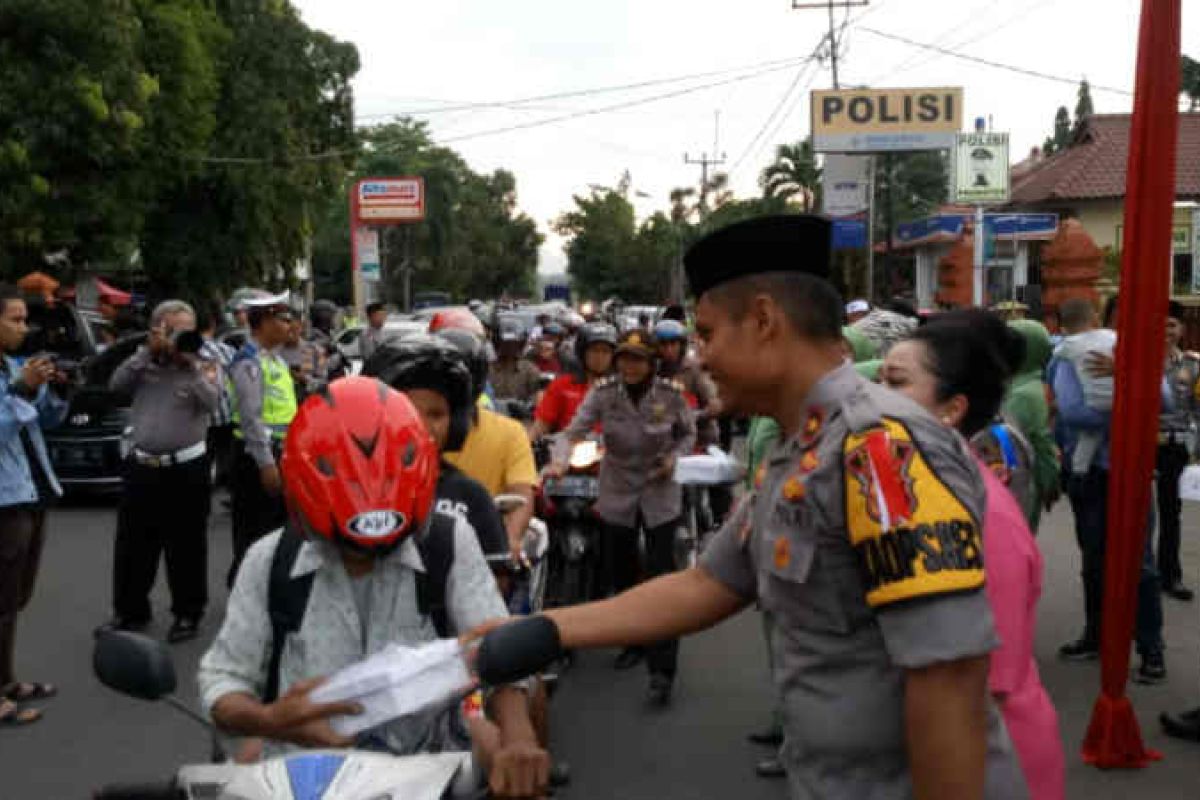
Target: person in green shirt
(1026, 407)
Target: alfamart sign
(886, 120)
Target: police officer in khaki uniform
(647, 425)
(861, 539)
(264, 402)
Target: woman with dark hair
(958, 367)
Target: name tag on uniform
(914, 537)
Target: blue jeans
(1089, 501)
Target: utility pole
(831, 6)
(704, 162)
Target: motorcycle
(696, 475)
(140, 667)
(568, 509)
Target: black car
(89, 449)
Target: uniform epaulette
(607, 381)
(674, 383)
(861, 411)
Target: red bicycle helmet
(457, 319)
(359, 467)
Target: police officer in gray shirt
(862, 539)
(167, 486)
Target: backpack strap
(436, 546)
(287, 599)
(1007, 448)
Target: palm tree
(793, 175)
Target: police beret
(780, 243)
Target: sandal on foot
(21, 692)
(12, 715)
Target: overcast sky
(421, 56)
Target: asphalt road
(617, 748)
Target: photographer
(168, 484)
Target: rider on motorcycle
(512, 377)
(496, 451)
(595, 344)
(359, 475)
(671, 338)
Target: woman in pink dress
(957, 367)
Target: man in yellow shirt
(497, 452)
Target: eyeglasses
(284, 315)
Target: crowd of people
(898, 467)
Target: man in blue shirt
(27, 484)
(1088, 494)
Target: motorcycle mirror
(133, 665)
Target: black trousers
(220, 448)
(164, 511)
(1172, 459)
(1089, 501)
(255, 512)
(623, 570)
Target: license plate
(574, 486)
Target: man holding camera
(168, 484)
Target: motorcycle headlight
(584, 455)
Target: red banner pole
(1114, 739)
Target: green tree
(1190, 83)
(601, 231)
(1062, 133)
(74, 103)
(793, 175)
(473, 242)
(919, 183)
(1084, 107)
(282, 143)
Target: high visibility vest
(279, 398)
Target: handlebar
(141, 791)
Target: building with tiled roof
(1087, 179)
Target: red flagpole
(1113, 738)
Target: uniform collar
(315, 555)
(821, 404)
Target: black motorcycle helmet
(590, 334)
(509, 328)
(428, 362)
(473, 352)
(323, 313)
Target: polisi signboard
(389, 201)
(885, 120)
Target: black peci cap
(1175, 310)
(779, 243)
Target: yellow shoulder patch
(914, 537)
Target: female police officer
(861, 538)
(647, 424)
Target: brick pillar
(1071, 266)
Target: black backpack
(287, 597)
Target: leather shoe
(560, 774)
(770, 768)
(183, 629)
(1178, 591)
(629, 658)
(122, 624)
(771, 737)
(1182, 726)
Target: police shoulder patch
(913, 536)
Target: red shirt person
(594, 347)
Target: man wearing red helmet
(374, 565)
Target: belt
(184, 456)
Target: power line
(776, 65)
(994, 64)
(614, 107)
(737, 162)
(521, 101)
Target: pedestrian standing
(1176, 441)
(27, 484)
(264, 404)
(372, 335)
(168, 487)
